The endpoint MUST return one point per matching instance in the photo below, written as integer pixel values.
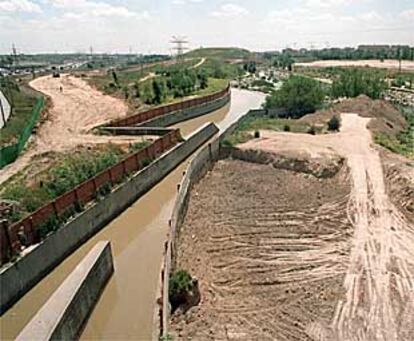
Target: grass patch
(31, 193)
(21, 112)
(248, 125)
(403, 142)
(214, 85)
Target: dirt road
(386, 64)
(379, 284)
(75, 111)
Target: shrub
(298, 95)
(183, 290)
(355, 82)
(334, 123)
(312, 130)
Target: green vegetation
(219, 52)
(403, 80)
(22, 103)
(168, 82)
(403, 142)
(250, 124)
(298, 95)
(355, 82)
(68, 172)
(217, 68)
(60, 178)
(404, 52)
(181, 288)
(334, 123)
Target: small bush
(183, 290)
(334, 123)
(312, 130)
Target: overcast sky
(147, 25)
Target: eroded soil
(74, 112)
(270, 248)
(357, 249)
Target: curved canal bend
(126, 307)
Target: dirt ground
(387, 118)
(368, 272)
(270, 261)
(386, 64)
(74, 112)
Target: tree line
(301, 95)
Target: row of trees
(355, 82)
(301, 95)
(177, 84)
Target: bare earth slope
(75, 110)
(270, 259)
(379, 285)
(249, 258)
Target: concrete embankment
(186, 114)
(5, 110)
(125, 309)
(66, 312)
(23, 274)
(199, 165)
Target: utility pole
(179, 44)
(14, 56)
(399, 59)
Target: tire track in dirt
(379, 282)
(379, 299)
(270, 264)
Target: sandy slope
(74, 112)
(379, 284)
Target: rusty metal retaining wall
(27, 229)
(166, 109)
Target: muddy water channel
(126, 307)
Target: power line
(179, 45)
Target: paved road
(6, 109)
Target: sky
(146, 26)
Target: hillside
(219, 52)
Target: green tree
(355, 82)
(159, 90)
(298, 95)
(334, 123)
(115, 77)
(147, 93)
(203, 79)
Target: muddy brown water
(126, 307)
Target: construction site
(303, 237)
(214, 194)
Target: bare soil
(73, 113)
(387, 118)
(356, 251)
(376, 63)
(270, 260)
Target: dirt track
(379, 285)
(375, 297)
(74, 112)
(386, 64)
